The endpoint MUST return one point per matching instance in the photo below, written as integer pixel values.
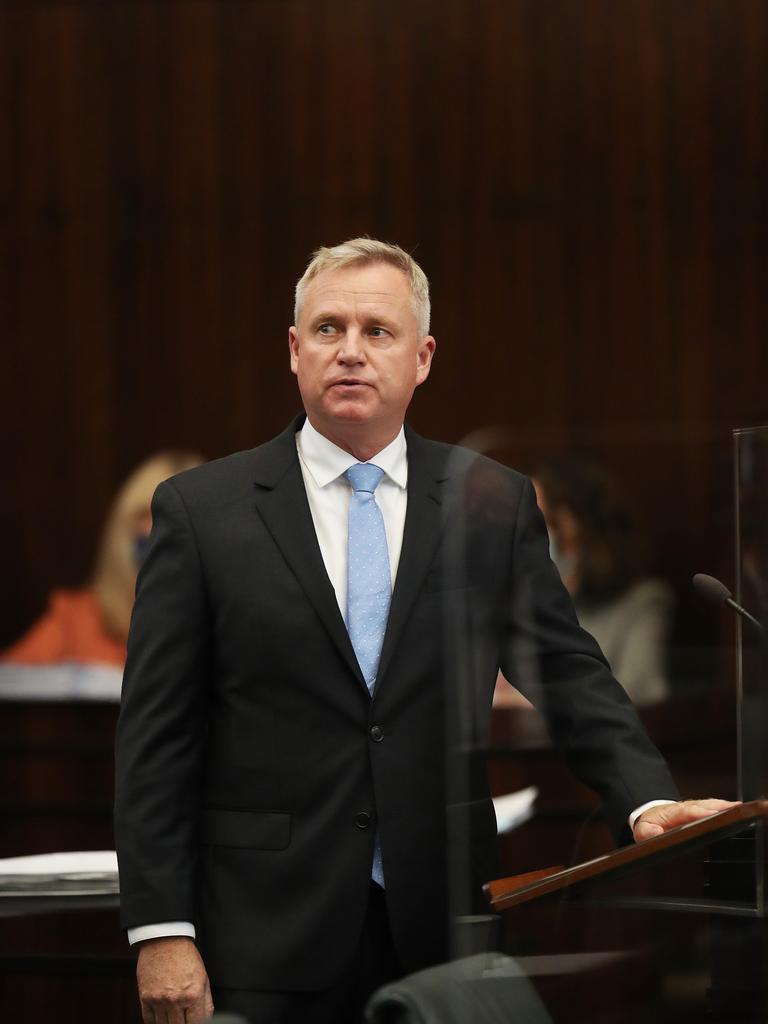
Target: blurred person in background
(593, 545)
(89, 625)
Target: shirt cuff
(161, 931)
(645, 807)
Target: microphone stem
(744, 613)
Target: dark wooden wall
(583, 180)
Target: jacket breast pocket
(255, 830)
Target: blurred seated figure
(593, 546)
(90, 625)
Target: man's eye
(326, 329)
(378, 332)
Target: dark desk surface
(65, 959)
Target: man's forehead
(377, 283)
(340, 293)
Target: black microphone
(717, 593)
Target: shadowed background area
(584, 184)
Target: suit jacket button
(362, 820)
(376, 733)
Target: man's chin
(350, 411)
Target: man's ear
(293, 347)
(424, 358)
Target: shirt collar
(325, 462)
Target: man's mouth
(349, 382)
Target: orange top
(70, 630)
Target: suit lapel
(281, 500)
(423, 528)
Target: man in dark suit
(282, 820)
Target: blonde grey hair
(114, 577)
(359, 252)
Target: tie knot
(364, 476)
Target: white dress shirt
(322, 467)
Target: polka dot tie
(369, 583)
(369, 586)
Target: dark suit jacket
(250, 780)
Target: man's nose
(351, 349)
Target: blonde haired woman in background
(90, 625)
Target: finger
(198, 1011)
(715, 805)
(148, 1013)
(647, 830)
(166, 1012)
(176, 1013)
(694, 809)
(663, 818)
(683, 816)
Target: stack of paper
(514, 809)
(65, 682)
(88, 872)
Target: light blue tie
(369, 582)
(369, 586)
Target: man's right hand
(173, 984)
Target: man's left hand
(660, 819)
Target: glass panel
(649, 943)
(751, 460)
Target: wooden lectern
(730, 845)
(745, 819)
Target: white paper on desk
(513, 809)
(77, 865)
(70, 681)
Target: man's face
(357, 352)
